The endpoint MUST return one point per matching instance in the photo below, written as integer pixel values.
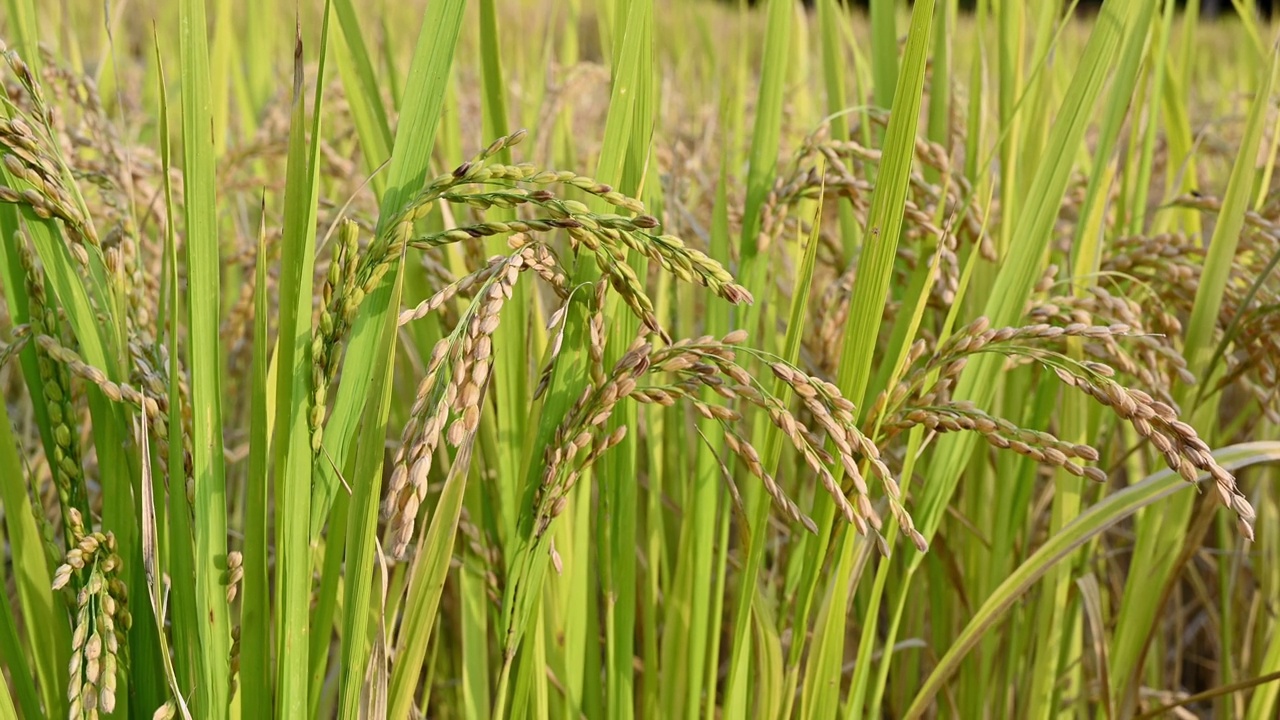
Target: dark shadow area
(1209, 9)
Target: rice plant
(639, 358)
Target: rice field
(639, 359)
